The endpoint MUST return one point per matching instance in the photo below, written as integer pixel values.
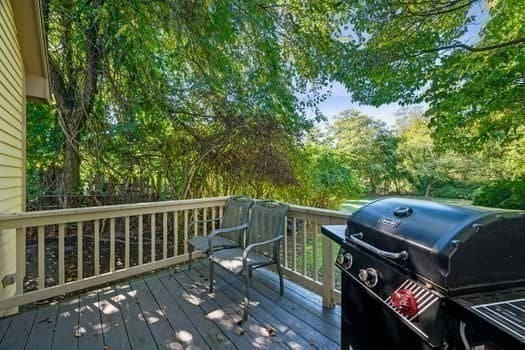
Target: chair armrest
(258, 244)
(224, 230)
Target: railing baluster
(175, 233)
(126, 239)
(221, 213)
(316, 265)
(285, 253)
(212, 225)
(294, 248)
(112, 245)
(80, 251)
(141, 240)
(20, 259)
(305, 238)
(164, 235)
(41, 258)
(61, 253)
(97, 247)
(153, 237)
(195, 225)
(185, 232)
(205, 217)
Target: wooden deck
(172, 309)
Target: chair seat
(231, 259)
(201, 243)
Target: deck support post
(328, 273)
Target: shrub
(455, 189)
(501, 194)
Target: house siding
(12, 138)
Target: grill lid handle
(356, 238)
(403, 212)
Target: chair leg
(281, 281)
(190, 252)
(246, 295)
(210, 276)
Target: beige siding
(12, 137)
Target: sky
(340, 101)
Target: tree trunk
(427, 189)
(71, 169)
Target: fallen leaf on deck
(239, 330)
(271, 332)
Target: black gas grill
(422, 275)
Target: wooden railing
(61, 251)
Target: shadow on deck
(172, 309)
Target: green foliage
(324, 178)
(370, 148)
(44, 141)
(157, 96)
(501, 194)
(454, 189)
(465, 59)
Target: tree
(209, 73)
(369, 146)
(324, 176)
(464, 58)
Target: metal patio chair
(261, 247)
(233, 221)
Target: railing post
(328, 273)
(20, 259)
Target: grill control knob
(369, 277)
(345, 260)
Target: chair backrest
(236, 211)
(266, 222)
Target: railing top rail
(318, 211)
(58, 216)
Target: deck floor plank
(308, 299)
(66, 328)
(219, 314)
(45, 323)
(19, 330)
(173, 309)
(163, 334)
(89, 323)
(196, 308)
(138, 332)
(287, 303)
(185, 332)
(113, 328)
(291, 337)
(4, 326)
(253, 328)
(289, 319)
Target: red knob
(404, 302)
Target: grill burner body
(407, 266)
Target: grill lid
(454, 247)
